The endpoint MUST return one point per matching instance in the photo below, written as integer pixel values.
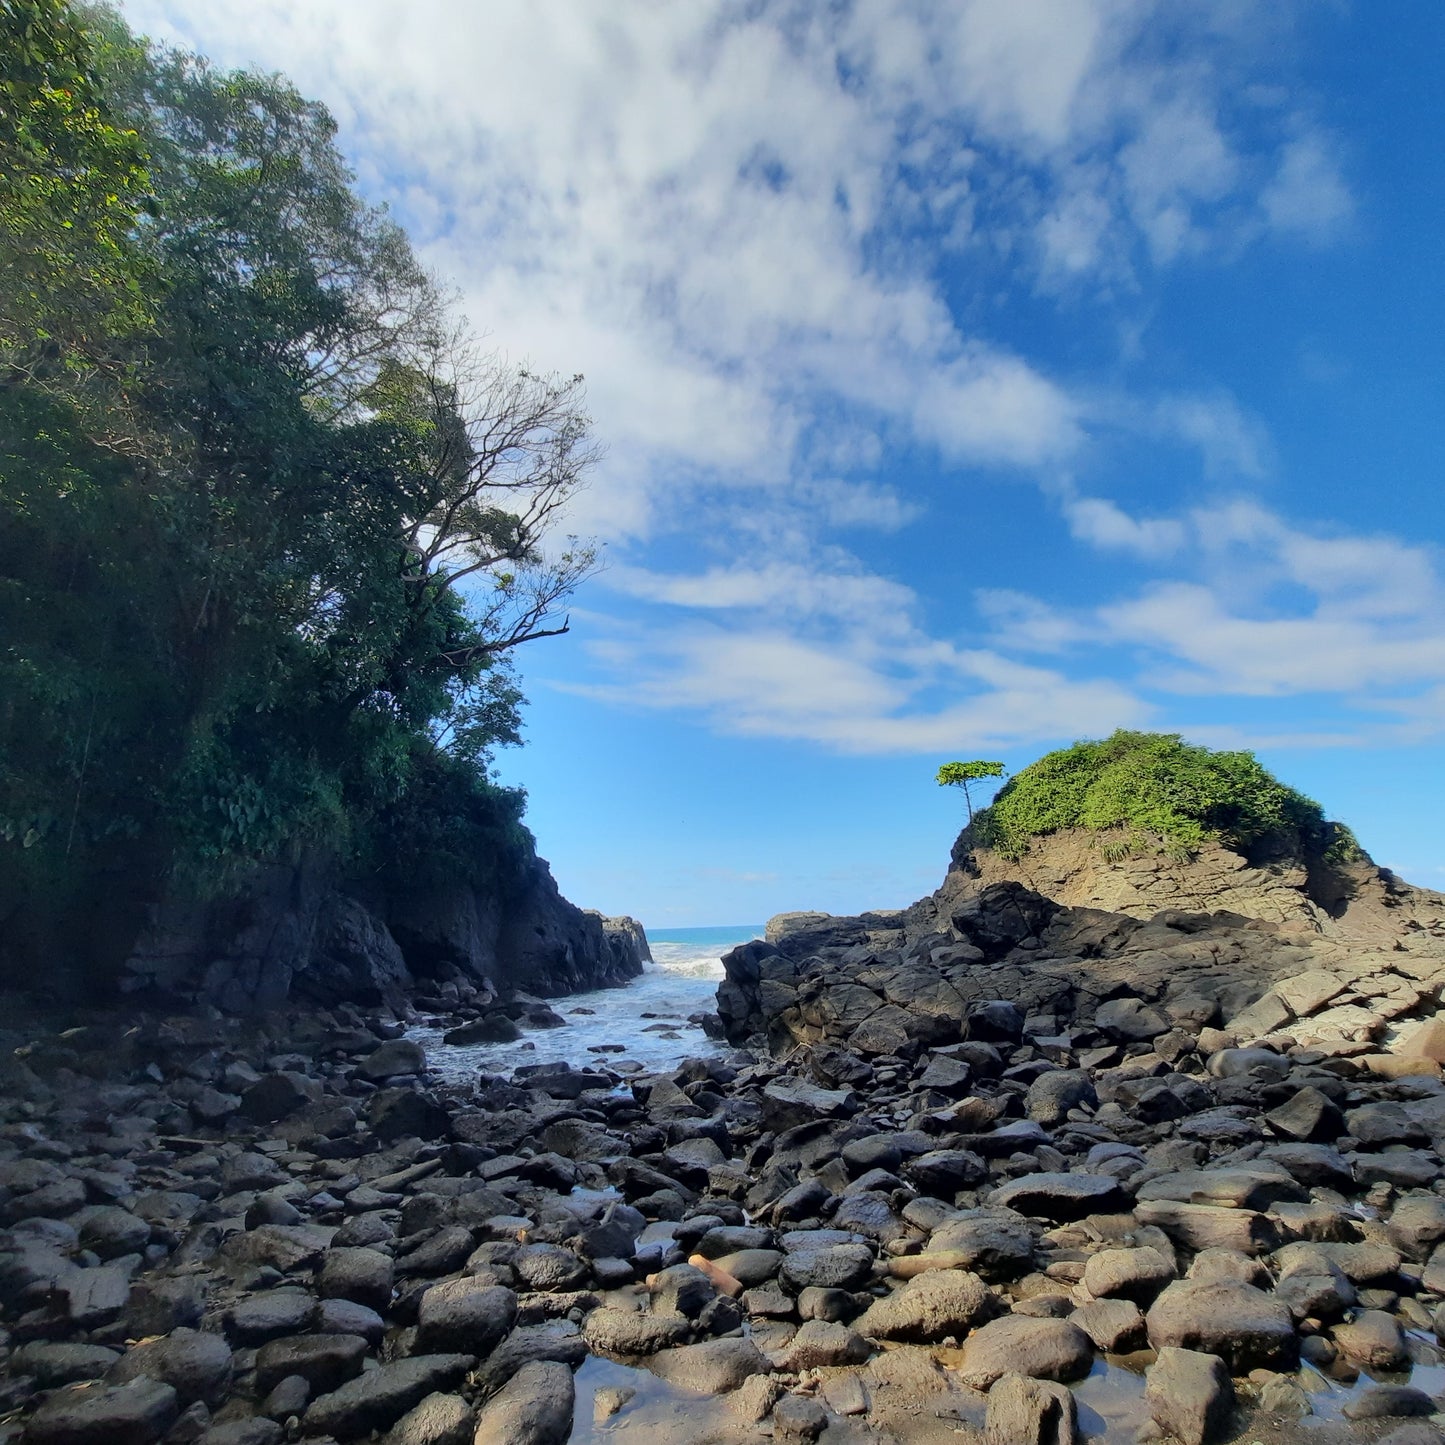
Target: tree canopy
(271, 525)
(1153, 786)
(962, 775)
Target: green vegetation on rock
(1144, 788)
(963, 775)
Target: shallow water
(645, 1022)
(653, 1413)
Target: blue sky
(974, 377)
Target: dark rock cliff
(300, 933)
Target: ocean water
(648, 1017)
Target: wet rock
(1375, 1402)
(1132, 1274)
(138, 1413)
(1203, 1227)
(286, 1398)
(613, 1331)
(325, 1362)
(1249, 1187)
(394, 1114)
(364, 1276)
(681, 1289)
(1373, 1340)
(1025, 1411)
(534, 1407)
(929, 1308)
(790, 1102)
(994, 1243)
(268, 1316)
(1244, 1326)
(827, 1266)
(277, 1096)
(945, 1171)
(752, 1266)
(494, 1028)
(714, 1367)
(1130, 1020)
(1061, 1198)
(557, 1340)
(1417, 1224)
(93, 1297)
(111, 1232)
(465, 1315)
(440, 1419)
(1190, 1395)
(1052, 1095)
(1044, 1349)
(255, 1431)
(1114, 1325)
(196, 1366)
(158, 1306)
(1381, 1124)
(283, 1247)
(397, 1057)
(377, 1399)
(52, 1363)
(549, 1267)
(1309, 1117)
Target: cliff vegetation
(271, 524)
(1141, 789)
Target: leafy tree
(262, 572)
(960, 775)
(72, 187)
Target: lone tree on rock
(960, 775)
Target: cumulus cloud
(770, 236)
(706, 208)
(1273, 611)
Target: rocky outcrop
(301, 934)
(894, 983)
(1281, 881)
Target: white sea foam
(649, 1016)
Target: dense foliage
(269, 525)
(1151, 787)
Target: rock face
(1327, 956)
(302, 934)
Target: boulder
(1043, 1349)
(1245, 1327)
(1062, 1198)
(377, 1399)
(1190, 1395)
(714, 1367)
(534, 1407)
(138, 1413)
(928, 1308)
(1025, 1411)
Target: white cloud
(1308, 195)
(744, 223)
(1103, 524)
(705, 207)
(1276, 611)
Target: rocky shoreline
(239, 1234)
